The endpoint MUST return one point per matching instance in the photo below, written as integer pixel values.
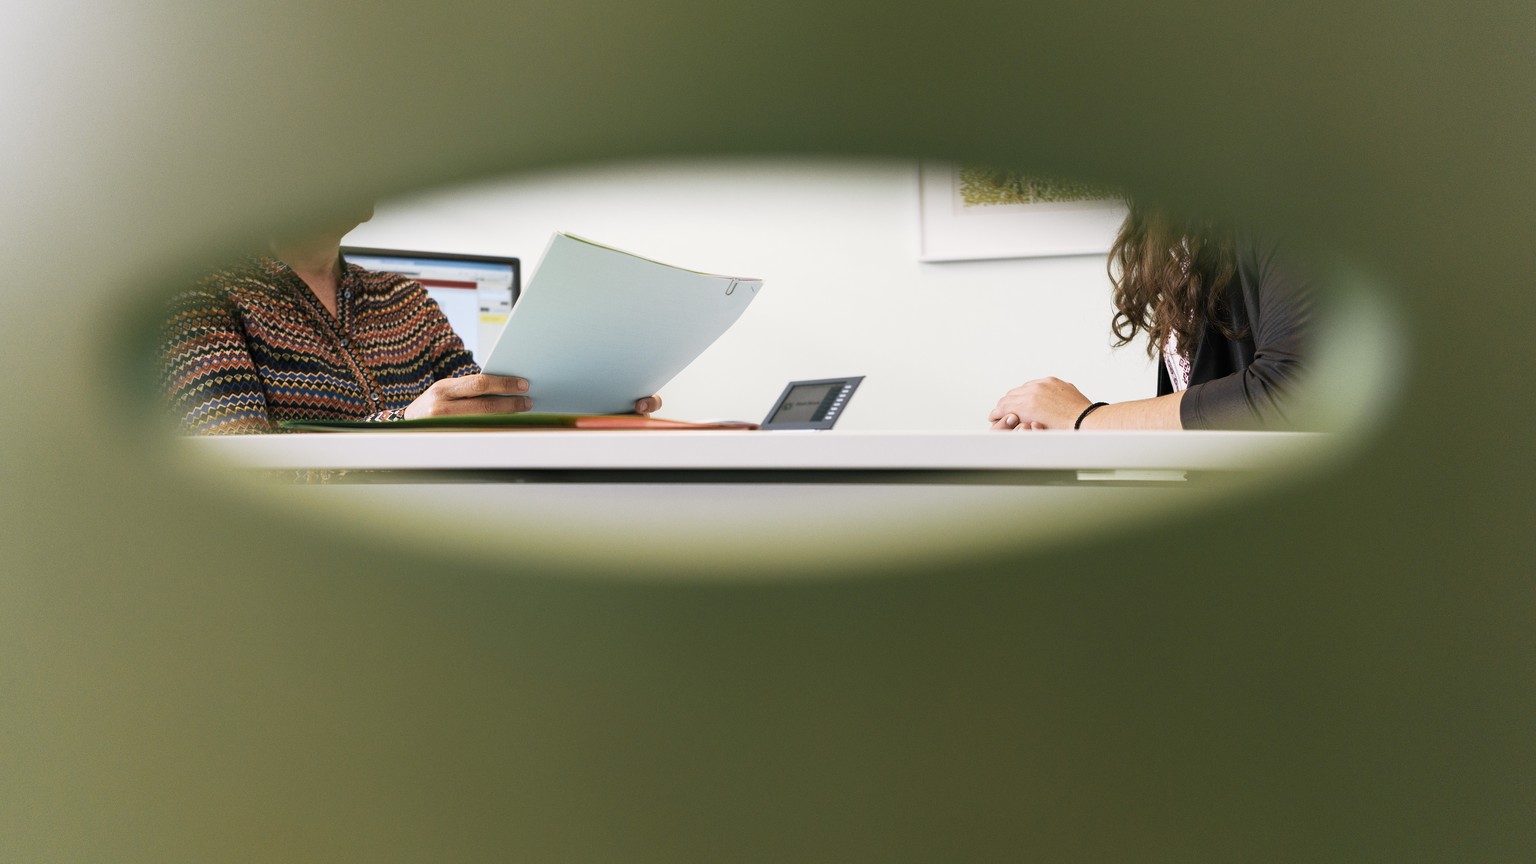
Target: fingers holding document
(471, 394)
(488, 394)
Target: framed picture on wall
(970, 213)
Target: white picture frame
(952, 230)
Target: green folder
(495, 422)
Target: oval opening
(857, 281)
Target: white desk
(685, 451)
(705, 503)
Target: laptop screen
(475, 292)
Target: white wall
(837, 245)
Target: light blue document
(597, 328)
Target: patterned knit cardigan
(252, 346)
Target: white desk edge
(982, 450)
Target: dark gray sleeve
(1278, 300)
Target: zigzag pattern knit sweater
(252, 346)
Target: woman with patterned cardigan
(300, 334)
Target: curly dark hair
(1169, 274)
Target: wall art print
(973, 212)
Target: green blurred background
(1339, 669)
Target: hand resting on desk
(486, 394)
(1045, 403)
(1051, 403)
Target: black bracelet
(1086, 411)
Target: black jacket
(1248, 382)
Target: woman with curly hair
(1226, 315)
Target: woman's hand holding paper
(471, 394)
(488, 394)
